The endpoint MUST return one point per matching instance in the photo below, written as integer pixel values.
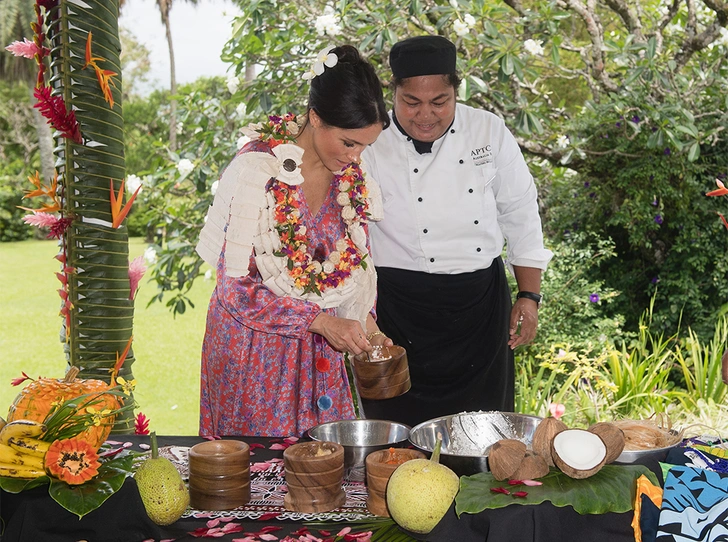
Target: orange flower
(72, 460)
(721, 190)
(103, 76)
(117, 213)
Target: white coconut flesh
(581, 450)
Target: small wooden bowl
(314, 476)
(379, 467)
(385, 378)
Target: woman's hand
(343, 334)
(524, 321)
(377, 338)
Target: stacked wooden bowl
(379, 467)
(384, 374)
(219, 474)
(314, 476)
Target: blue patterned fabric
(694, 506)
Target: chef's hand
(524, 321)
(343, 334)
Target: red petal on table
(255, 445)
(300, 532)
(520, 494)
(500, 490)
(324, 533)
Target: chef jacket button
(424, 231)
(477, 249)
(419, 199)
(416, 170)
(409, 139)
(452, 131)
(461, 161)
(432, 259)
(470, 190)
(476, 222)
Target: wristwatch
(533, 296)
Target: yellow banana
(21, 428)
(12, 456)
(20, 471)
(28, 445)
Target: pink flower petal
(345, 530)
(278, 447)
(24, 48)
(136, 272)
(557, 410)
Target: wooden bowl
(219, 457)
(383, 377)
(379, 468)
(314, 476)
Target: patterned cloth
(259, 375)
(694, 506)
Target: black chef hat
(422, 55)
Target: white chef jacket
(452, 210)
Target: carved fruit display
(37, 398)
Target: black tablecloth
(32, 516)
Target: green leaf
(84, 498)
(694, 153)
(612, 489)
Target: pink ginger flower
(136, 272)
(25, 48)
(41, 220)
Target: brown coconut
(578, 453)
(505, 457)
(532, 467)
(613, 438)
(547, 429)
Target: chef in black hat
(456, 190)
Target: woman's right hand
(343, 334)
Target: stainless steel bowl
(359, 438)
(467, 437)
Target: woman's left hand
(524, 321)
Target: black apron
(455, 331)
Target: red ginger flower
(141, 424)
(53, 108)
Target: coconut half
(578, 453)
(505, 457)
(613, 438)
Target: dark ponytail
(349, 95)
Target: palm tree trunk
(172, 87)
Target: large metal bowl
(467, 437)
(359, 438)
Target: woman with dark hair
(288, 234)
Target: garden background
(620, 110)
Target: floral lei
(308, 274)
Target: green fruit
(161, 487)
(420, 492)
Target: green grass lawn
(167, 349)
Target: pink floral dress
(263, 372)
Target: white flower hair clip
(324, 58)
